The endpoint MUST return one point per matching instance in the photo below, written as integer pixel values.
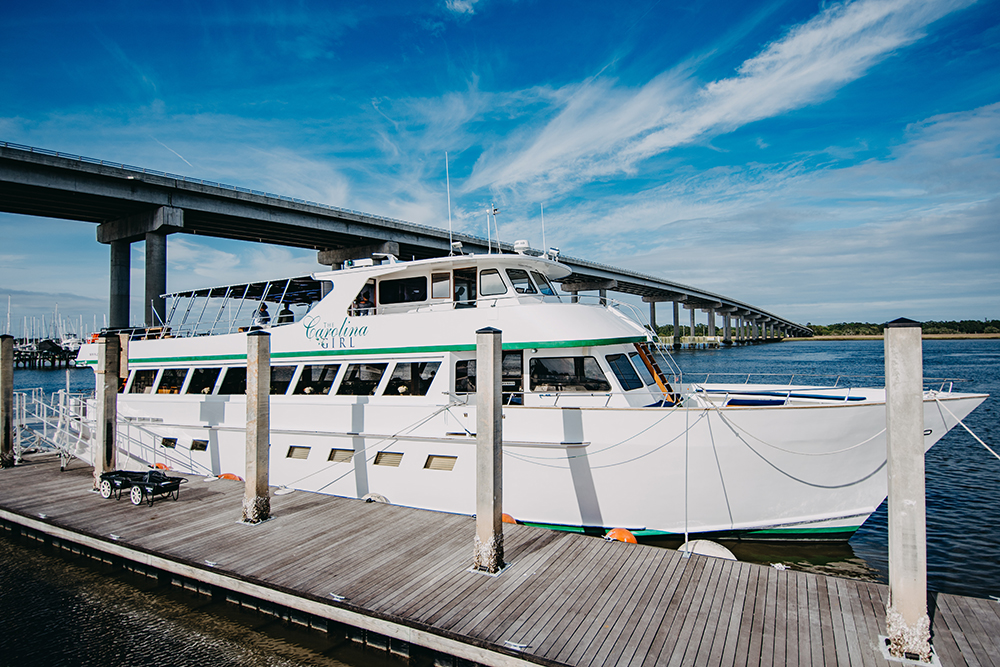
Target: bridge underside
(132, 204)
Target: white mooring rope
(966, 427)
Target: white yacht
(372, 392)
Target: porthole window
(341, 455)
(297, 452)
(437, 462)
(389, 459)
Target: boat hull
(764, 472)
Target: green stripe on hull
(425, 349)
(777, 534)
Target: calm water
(963, 479)
(54, 611)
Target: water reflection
(54, 611)
(835, 558)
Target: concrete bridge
(130, 204)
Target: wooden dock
(564, 599)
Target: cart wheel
(135, 495)
(105, 489)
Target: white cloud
(601, 128)
(467, 7)
(914, 233)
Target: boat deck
(564, 599)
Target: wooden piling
(257, 496)
(907, 622)
(6, 401)
(106, 393)
(489, 453)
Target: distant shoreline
(925, 337)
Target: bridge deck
(565, 599)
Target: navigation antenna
(489, 237)
(544, 247)
(447, 180)
(496, 229)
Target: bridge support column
(677, 326)
(6, 401)
(711, 323)
(156, 278)
(652, 316)
(118, 308)
(727, 329)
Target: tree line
(932, 327)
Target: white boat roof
(309, 289)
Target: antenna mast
(447, 180)
(545, 248)
(496, 229)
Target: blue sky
(825, 161)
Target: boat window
(361, 379)
(640, 366)
(142, 382)
(567, 374)
(203, 380)
(340, 455)
(465, 288)
(512, 377)
(234, 382)
(411, 378)
(440, 285)
(438, 462)
(297, 452)
(402, 290)
(364, 303)
(622, 368)
(390, 459)
(490, 283)
(521, 282)
(199, 445)
(544, 286)
(317, 379)
(281, 377)
(172, 380)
